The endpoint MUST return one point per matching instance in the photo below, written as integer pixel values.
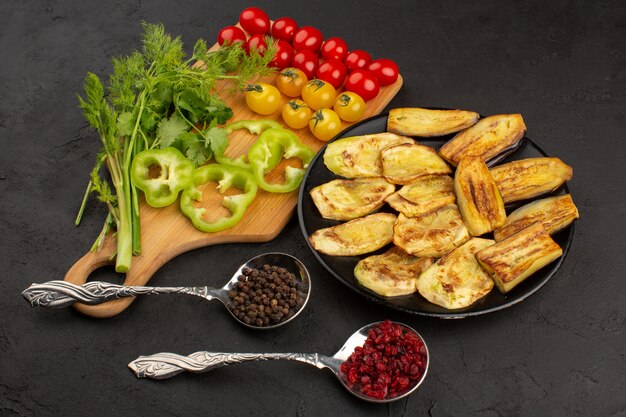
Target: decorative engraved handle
(58, 294)
(167, 365)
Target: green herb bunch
(156, 98)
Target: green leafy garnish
(157, 98)
(170, 129)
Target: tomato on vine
(334, 48)
(385, 70)
(296, 114)
(357, 59)
(284, 28)
(284, 55)
(332, 71)
(349, 106)
(325, 124)
(306, 61)
(317, 94)
(307, 37)
(262, 98)
(364, 83)
(256, 42)
(254, 20)
(230, 35)
(290, 81)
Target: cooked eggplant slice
(488, 138)
(356, 237)
(529, 178)
(431, 235)
(514, 259)
(391, 274)
(423, 196)
(403, 164)
(349, 199)
(478, 197)
(457, 280)
(414, 121)
(359, 156)
(554, 213)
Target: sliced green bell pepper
(226, 177)
(255, 127)
(265, 154)
(173, 172)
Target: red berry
(387, 362)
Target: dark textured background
(559, 353)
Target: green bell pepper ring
(173, 172)
(265, 154)
(255, 127)
(226, 177)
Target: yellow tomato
(262, 98)
(325, 124)
(290, 81)
(349, 106)
(319, 94)
(296, 114)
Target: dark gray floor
(561, 352)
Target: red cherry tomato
(332, 71)
(306, 61)
(357, 59)
(231, 34)
(284, 28)
(254, 20)
(335, 48)
(256, 42)
(284, 55)
(364, 83)
(385, 70)
(307, 37)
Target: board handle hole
(106, 273)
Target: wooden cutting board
(166, 232)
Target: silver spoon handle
(166, 365)
(58, 294)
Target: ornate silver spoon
(166, 365)
(59, 294)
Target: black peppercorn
(265, 296)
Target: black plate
(342, 267)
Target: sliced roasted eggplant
(490, 137)
(431, 235)
(349, 199)
(359, 156)
(457, 280)
(478, 197)
(423, 196)
(414, 121)
(529, 178)
(403, 164)
(356, 237)
(554, 213)
(391, 274)
(514, 259)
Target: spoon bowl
(58, 294)
(358, 338)
(290, 263)
(166, 365)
